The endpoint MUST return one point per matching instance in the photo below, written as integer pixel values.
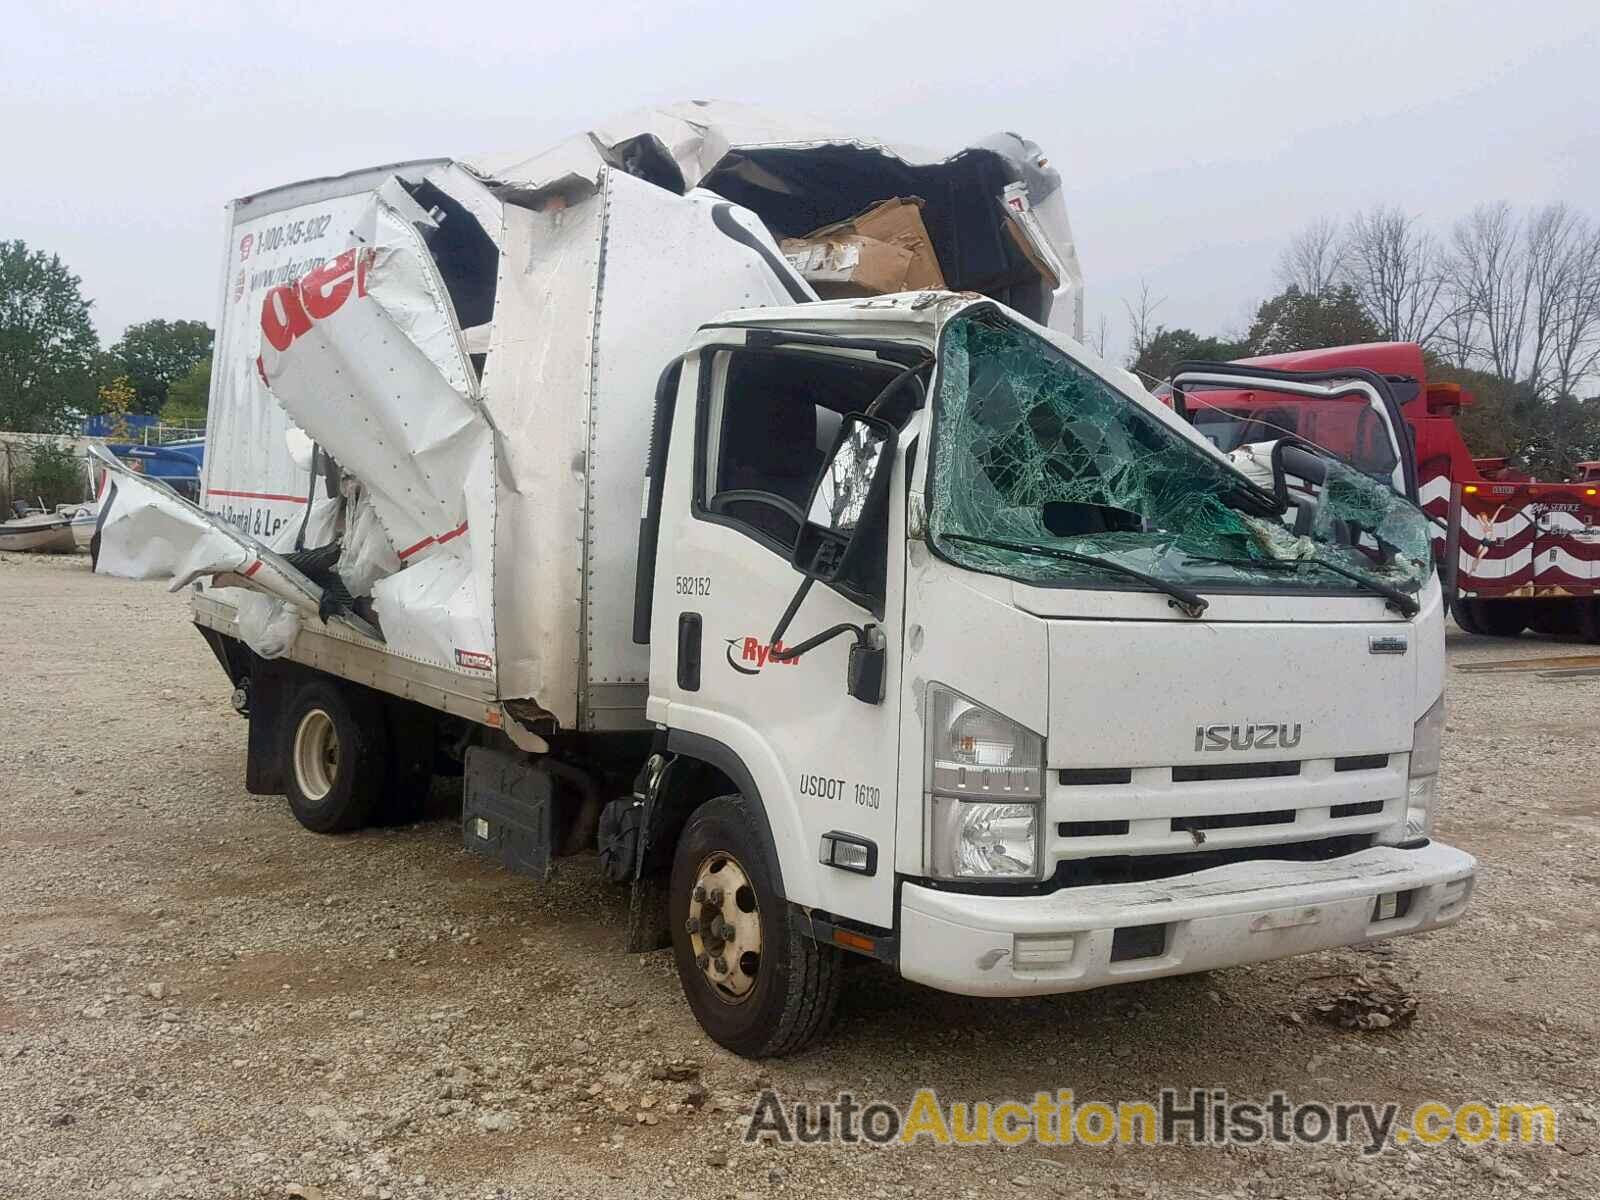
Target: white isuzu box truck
(885, 625)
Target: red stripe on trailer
(410, 550)
(256, 496)
(440, 540)
(252, 568)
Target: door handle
(689, 626)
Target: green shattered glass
(1035, 449)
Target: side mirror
(848, 504)
(841, 543)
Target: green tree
(155, 354)
(47, 342)
(1509, 419)
(187, 398)
(1295, 320)
(1166, 348)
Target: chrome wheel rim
(724, 927)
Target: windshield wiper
(1190, 603)
(1405, 605)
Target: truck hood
(1226, 693)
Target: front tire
(758, 985)
(335, 749)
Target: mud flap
(413, 741)
(657, 821)
(269, 685)
(508, 812)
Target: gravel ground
(200, 999)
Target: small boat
(84, 518)
(39, 533)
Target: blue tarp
(180, 460)
(104, 424)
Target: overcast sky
(1193, 138)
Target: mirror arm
(895, 384)
(794, 606)
(811, 643)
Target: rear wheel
(1558, 618)
(1498, 618)
(334, 745)
(1463, 612)
(756, 983)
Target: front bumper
(1241, 913)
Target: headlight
(1422, 789)
(985, 778)
(1427, 735)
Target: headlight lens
(976, 840)
(1426, 738)
(1422, 790)
(985, 789)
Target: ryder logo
(247, 241)
(752, 655)
(288, 311)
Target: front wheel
(757, 984)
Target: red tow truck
(1513, 553)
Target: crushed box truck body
(894, 625)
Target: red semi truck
(1513, 553)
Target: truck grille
(1262, 770)
(1361, 762)
(1103, 814)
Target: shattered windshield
(1040, 464)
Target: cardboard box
(884, 249)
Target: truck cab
(1012, 679)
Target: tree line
(1505, 302)
(54, 372)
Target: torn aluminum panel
(692, 138)
(148, 531)
(595, 301)
(366, 354)
(996, 212)
(1033, 450)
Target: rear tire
(1499, 618)
(1462, 611)
(1558, 618)
(335, 750)
(766, 988)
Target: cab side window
(769, 435)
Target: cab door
(752, 427)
